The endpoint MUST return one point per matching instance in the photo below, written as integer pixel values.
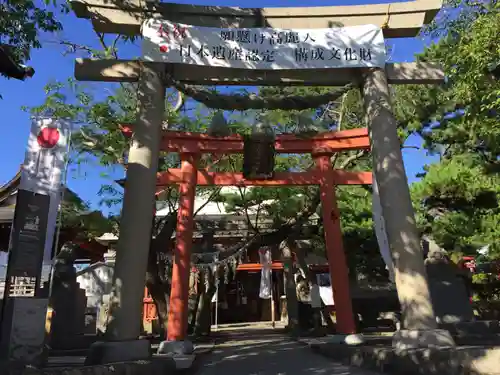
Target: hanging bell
(258, 152)
(306, 126)
(218, 125)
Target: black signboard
(26, 246)
(24, 269)
(29, 231)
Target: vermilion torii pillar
(339, 275)
(179, 295)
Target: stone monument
(448, 291)
(68, 302)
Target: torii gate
(403, 19)
(191, 146)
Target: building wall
(96, 281)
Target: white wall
(96, 281)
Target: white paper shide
(264, 48)
(265, 291)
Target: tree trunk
(160, 293)
(157, 282)
(158, 289)
(204, 312)
(290, 288)
(194, 300)
(313, 283)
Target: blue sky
(52, 65)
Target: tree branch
(259, 206)
(412, 147)
(113, 46)
(245, 206)
(351, 159)
(73, 47)
(100, 37)
(209, 199)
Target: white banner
(264, 48)
(265, 276)
(44, 167)
(380, 232)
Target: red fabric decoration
(48, 137)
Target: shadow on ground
(265, 352)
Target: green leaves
(22, 22)
(471, 45)
(457, 200)
(458, 204)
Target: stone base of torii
(403, 20)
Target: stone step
(474, 340)
(479, 327)
(182, 361)
(468, 360)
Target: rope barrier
(240, 102)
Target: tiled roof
(10, 68)
(8, 190)
(6, 214)
(10, 187)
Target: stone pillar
(177, 325)
(68, 302)
(339, 275)
(124, 322)
(419, 322)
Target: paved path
(268, 354)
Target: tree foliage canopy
(461, 115)
(22, 23)
(457, 203)
(457, 199)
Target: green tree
(457, 203)
(463, 114)
(77, 218)
(22, 23)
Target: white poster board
(325, 289)
(264, 48)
